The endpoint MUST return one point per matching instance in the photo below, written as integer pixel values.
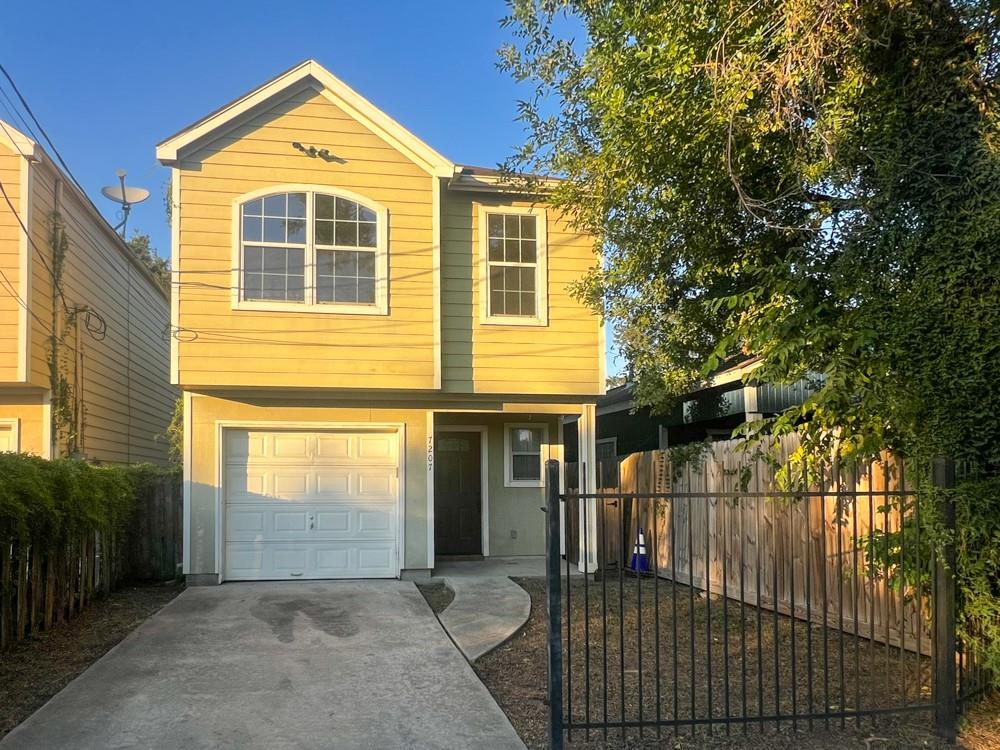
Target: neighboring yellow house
(376, 346)
(84, 355)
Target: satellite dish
(125, 196)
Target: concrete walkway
(488, 607)
(278, 666)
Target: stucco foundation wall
(205, 494)
(31, 416)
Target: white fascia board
(334, 89)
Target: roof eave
(169, 151)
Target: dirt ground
(438, 595)
(873, 677)
(36, 669)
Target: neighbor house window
(512, 247)
(523, 445)
(311, 248)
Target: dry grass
(874, 676)
(36, 669)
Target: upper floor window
(512, 260)
(307, 248)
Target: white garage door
(311, 505)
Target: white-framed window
(310, 247)
(513, 278)
(525, 446)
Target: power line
(48, 140)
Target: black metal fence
(740, 611)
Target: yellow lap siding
(562, 357)
(204, 490)
(29, 418)
(11, 281)
(307, 348)
(120, 375)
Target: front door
(458, 509)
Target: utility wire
(34, 119)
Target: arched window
(305, 247)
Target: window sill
(522, 483)
(307, 307)
(497, 320)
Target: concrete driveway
(278, 665)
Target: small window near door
(523, 444)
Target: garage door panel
(334, 447)
(333, 483)
(268, 522)
(280, 561)
(311, 504)
(377, 448)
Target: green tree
(816, 182)
(141, 245)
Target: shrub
(48, 503)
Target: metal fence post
(945, 689)
(553, 589)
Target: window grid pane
(344, 223)
(512, 264)
(273, 230)
(345, 276)
(274, 273)
(525, 454)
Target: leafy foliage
(175, 435)
(814, 182)
(52, 502)
(141, 245)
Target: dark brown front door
(458, 510)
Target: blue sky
(110, 80)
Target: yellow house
(84, 355)
(376, 346)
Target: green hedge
(49, 503)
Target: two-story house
(84, 356)
(376, 345)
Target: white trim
(24, 272)
(436, 275)
(541, 317)
(175, 274)
(484, 466)
(430, 458)
(186, 482)
(731, 376)
(221, 425)
(543, 450)
(491, 183)
(381, 306)
(47, 425)
(15, 430)
(17, 141)
(333, 89)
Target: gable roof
(308, 73)
(31, 151)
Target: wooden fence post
(945, 695)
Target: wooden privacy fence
(43, 587)
(802, 555)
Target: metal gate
(750, 610)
